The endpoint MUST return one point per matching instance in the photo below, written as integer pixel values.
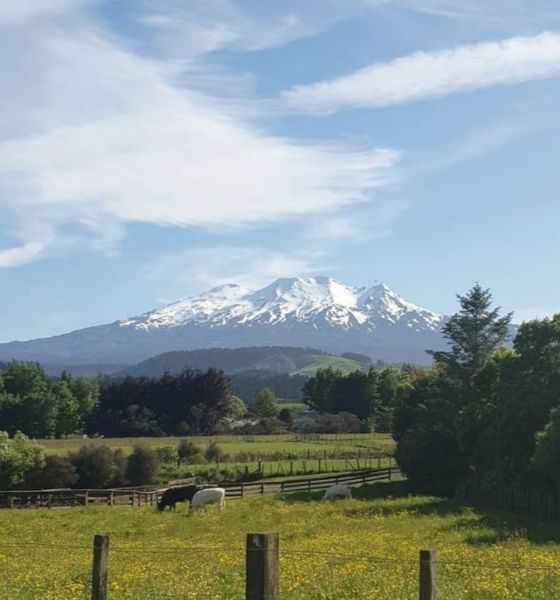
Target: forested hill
(269, 359)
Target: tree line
(487, 412)
(42, 407)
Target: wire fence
(191, 571)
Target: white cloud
(203, 268)
(345, 228)
(16, 257)
(124, 144)
(432, 74)
(14, 11)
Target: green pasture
(355, 549)
(262, 446)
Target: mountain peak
(292, 311)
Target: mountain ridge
(312, 312)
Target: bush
(167, 455)
(341, 423)
(188, 453)
(18, 456)
(55, 472)
(142, 466)
(98, 467)
(214, 453)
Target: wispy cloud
(25, 10)
(16, 257)
(124, 143)
(432, 74)
(202, 268)
(494, 13)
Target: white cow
(338, 491)
(209, 496)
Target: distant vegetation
(272, 360)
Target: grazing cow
(338, 491)
(177, 494)
(207, 496)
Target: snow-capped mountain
(312, 312)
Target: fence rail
(240, 490)
(59, 498)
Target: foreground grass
(350, 550)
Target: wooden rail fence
(257, 488)
(149, 497)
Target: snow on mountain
(314, 312)
(296, 299)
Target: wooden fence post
(428, 575)
(99, 572)
(262, 566)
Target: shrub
(98, 466)
(18, 455)
(188, 452)
(214, 453)
(55, 472)
(142, 466)
(167, 455)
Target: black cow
(177, 494)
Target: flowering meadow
(347, 550)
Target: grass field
(263, 445)
(350, 550)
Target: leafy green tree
(286, 416)
(265, 405)
(142, 466)
(529, 390)
(238, 409)
(392, 383)
(18, 456)
(317, 389)
(428, 450)
(356, 393)
(68, 419)
(32, 404)
(547, 452)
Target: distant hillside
(266, 359)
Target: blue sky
(150, 150)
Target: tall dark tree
(474, 334)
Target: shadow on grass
(374, 491)
(388, 498)
(498, 526)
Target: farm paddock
(355, 549)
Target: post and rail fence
(150, 497)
